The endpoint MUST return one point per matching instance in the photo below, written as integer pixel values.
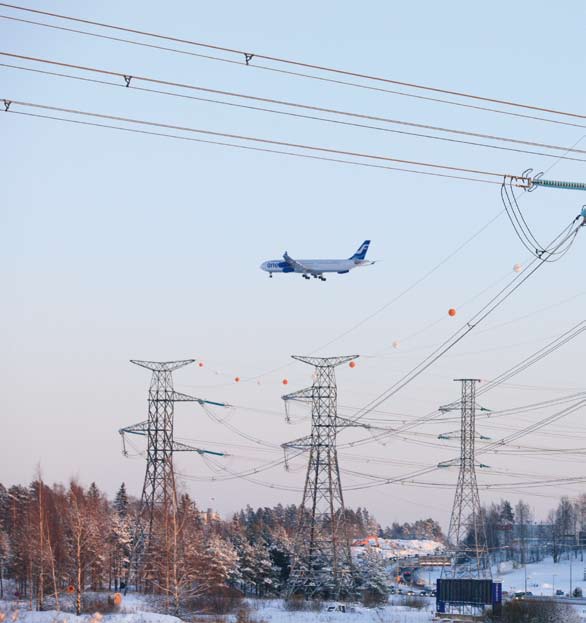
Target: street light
(570, 577)
(553, 587)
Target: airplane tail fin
(361, 252)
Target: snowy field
(265, 611)
(273, 612)
(543, 579)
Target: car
(424, 593)
(559, 592)
(411, 593)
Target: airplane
(316, 268)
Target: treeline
(58, 543)
(421, 529)
(514, 534)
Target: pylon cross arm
(303, 443)
(136, 429)
(180, 397)
(347, 422)
(301, 395)
(160, 366)
(183, 447)
(325, 362)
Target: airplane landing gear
(322, 278)
(271, 275)
(305, 276)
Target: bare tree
(523, 517)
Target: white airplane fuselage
(317, 268)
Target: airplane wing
(298, 267)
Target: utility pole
(467, 533)
(321, 562)
(571, 582)
(158, 492)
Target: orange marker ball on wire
(352, 364)
(237, 379)
(451, 311)
(285, 381)
(200, 364)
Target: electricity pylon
(321, 564)
(467, 532)
(158, 492)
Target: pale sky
(116, 246)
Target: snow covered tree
(266, 575)
(220, 562)
(4, 558)
(120, 543)
(79, 539)
(373, 577)
(121, 501)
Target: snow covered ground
(545, 577)
(401, 548)
(15, 614)
(273, 612)
(267, 611)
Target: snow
(52, 616)
(540, 577)
(269, 611)
(400, 548)
(272, 611)
(135, 608)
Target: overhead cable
(10, 104)
(129, 81)
(249, 56)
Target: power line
(483, 313)
(529, 361)
(250, 148)
(8, 103)
(129, 81)
(295, 73)
(248, 56)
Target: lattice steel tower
(467, 532)
(158, 492)
(321, 563)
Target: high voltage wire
(543, 352)
(529, 361)
(407, 478)
(293, 73)
(129, 83)
(9, 104)
(386, 479)
(483, 313)
(503, 441)
(250, 148)
(249, 56)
